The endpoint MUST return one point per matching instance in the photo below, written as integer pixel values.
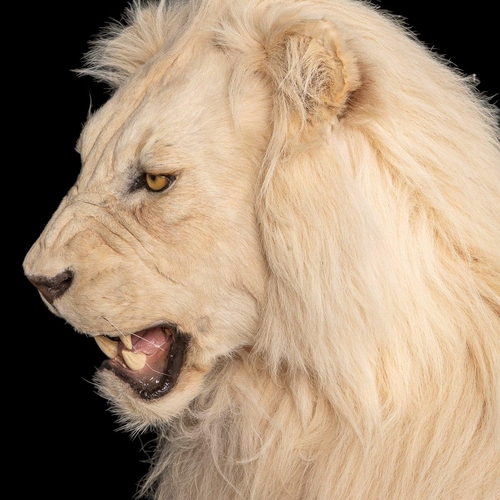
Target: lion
(285, 238)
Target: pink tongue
(148, 341)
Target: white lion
(286, 238)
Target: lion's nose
(52, 288)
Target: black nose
(52, 288)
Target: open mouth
(150, 360)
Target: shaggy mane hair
(375, 373)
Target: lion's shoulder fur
(375, 373)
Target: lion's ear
(312, 70)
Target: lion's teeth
(134, 360)
(127, 340)
(107, 346)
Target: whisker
(149, 342)
(134, 334)
(116, 328)
(155, 371)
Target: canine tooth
(127, 340)
(134, 360)
(107, 346)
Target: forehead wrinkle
(144, 139)
(95, 160)
(106, 142)
(132, 93)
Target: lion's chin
(149, 361)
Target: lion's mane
(375, 372)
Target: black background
(64, 441)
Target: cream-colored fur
(331, 245)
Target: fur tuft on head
(124, 47)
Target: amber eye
(159, 182)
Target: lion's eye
(158, 182)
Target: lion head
(285, 238)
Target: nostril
(52, 288)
